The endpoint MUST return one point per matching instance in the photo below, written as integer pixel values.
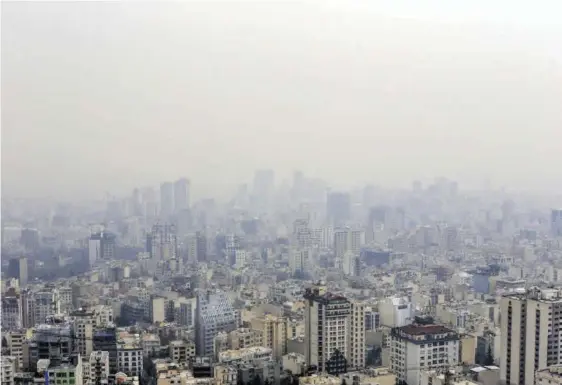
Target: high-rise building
(99, 368)
(182, 194)
(556, 222)
(54, 342)
(11, 311)
(530, 324)
(83, 322)
(101, 246)
(300, 260)
(264, 185)
(338, 208)
(334, 332)
(18, 269)
(419, 347)
(348, 240)
(45, 304)
(166, 200)
(8, 369)
(351, 264)
(161, 243)
(274, 333)
(105, 339)
(214, 314)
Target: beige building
(530, 324)
(371, 376)
(334, 332)
(274, 333)
(226, 375)
(171, 374)
(8, 370)
(322, 379)
(357, 336)
(15, 341)
(468, 349)
(182, 351)
(244, 338)
(549, 376)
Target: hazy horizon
(103, 96)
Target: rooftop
(419, 330)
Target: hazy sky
(106, 96)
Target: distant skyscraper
(18, 269)
(369, 193)
(166, 200)
(338, 208)
(348, 240)
(182, 194)
(101, 246)
(556, 223)
(264, 185)
(161, 243)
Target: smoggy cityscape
(260, 195)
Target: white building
(9, 365)
(129, 357)
(348, 240)
(250, 354)
(414, 348)
(44, 305)
(299, 259)
(98, 368)
(351, 264)
(162, 242)
(12, 315)
(395, 312)
(529, 328)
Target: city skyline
(204, 94)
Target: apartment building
(531, 322)
(417, 347)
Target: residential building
(274, 333)
(182, 351)
(161, 243)
(549, 376)
(529, 327)
(327, 331)
(99, 368)
(417, 347)
(214, 313)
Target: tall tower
(264, 185)
(18, 269)
(101, 246)
(161, 243)
(529, 334)
(338, 208)
(182, 194)
(334, 332)
(556, 222)
(348, 240)
(166, 200)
